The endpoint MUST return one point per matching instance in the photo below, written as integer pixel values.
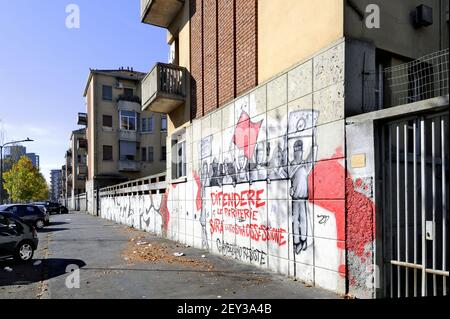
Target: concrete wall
(361, 210)
(143, 212)
(292, 30)
(396, 33)
(180, 29)
(252, 195)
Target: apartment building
(74, 172)
(124, 142)
(55, 185)
(63, 198)
(289, 125)
(15, 152)
(35, 159)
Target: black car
(51, 207)
(17, 238)
(63, 210)
(30, 214)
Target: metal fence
(415, 206)
(421, 79)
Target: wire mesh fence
(421, 79)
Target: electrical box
(423, 16)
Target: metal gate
(415, 208)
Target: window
(164, 123)
(107, 153)
(128, 92)
(128, 120)
(107, 93)
(151, 156)
(147, 125)
(3, 221)
(30, 210)
(144, 154)
(179, 155)
(107, 121)
(128, 151)
(163, 153)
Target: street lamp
(1, 163)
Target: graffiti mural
(252, 161)
(267, 183)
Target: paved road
(101, 248)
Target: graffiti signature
(323, 219)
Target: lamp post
(1, 163)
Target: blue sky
(44, 65)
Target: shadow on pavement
(13, 273)
(51, 230)
(58, 223)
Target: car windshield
(3, 207)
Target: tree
(24, 182)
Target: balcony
(130, 136)
(129, 98)
(82, 143)
(160, 13)
(164, 88)
(82, 169)
(82, 119)
(129, 166)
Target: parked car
(64, 210)
(47, 214)
(51, 207)
(17, 238)
(30, 214)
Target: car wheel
(24, 252)
(40, 224)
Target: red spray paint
(330, 187)
(164, 210)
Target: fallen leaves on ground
(141, 250)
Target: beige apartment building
(75, 168)
(290, 124)
(123, 142)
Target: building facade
(55, 185)
(15, 152)
(123, 142)
(287, 124)
(34, 158)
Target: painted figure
(229, 171)
(298, 174)
(278, 171)
(215, 174)
(259, 171)
(242, 167)
(204, 184)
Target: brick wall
(223, 52)
(210, 54)
(196, 58)
(226, 51)
(246, 46)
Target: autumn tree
(24, 182)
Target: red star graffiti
(246, 134)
